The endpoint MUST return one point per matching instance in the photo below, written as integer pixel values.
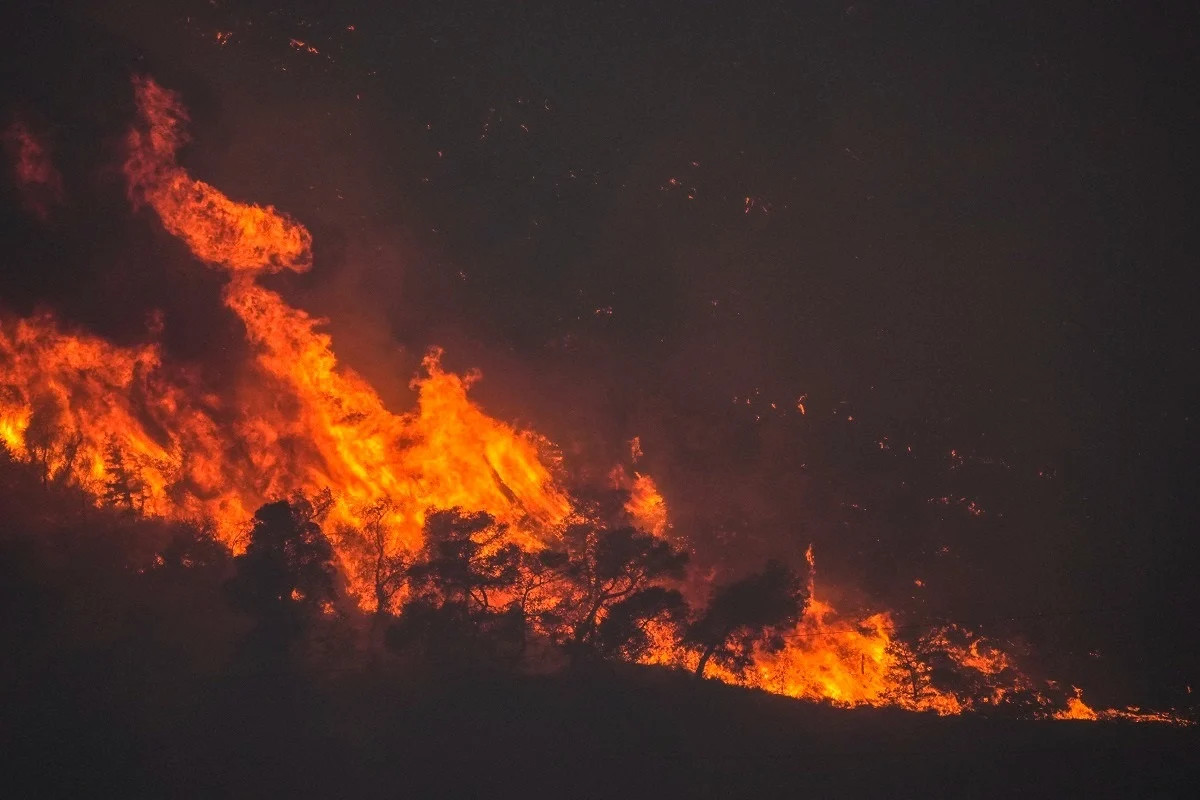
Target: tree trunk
(588, 623)
(708, 653)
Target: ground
(595, 734)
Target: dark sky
(967, 226)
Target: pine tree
(122, 487)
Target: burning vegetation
(460, 536)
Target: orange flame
(1077, 709)
(647, 506)
(827, 657)
(221, 232)
(100, 414)
(448, 453)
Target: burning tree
(746, 615)
(42, 437)
(909, 678)
(473, 591)
(462, 588)
(625, 630)
(371, 541)
(614, 572)
(123, 487)
(466, 561)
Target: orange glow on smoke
(39, 181)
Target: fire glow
(40, 182)
(121, 420)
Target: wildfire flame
(102, 415)
(447, 453)
(128, 428)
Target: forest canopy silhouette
(143, 657)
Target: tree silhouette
(386, 569)
(42, 435)
(752, 612)
(123, 488)
(286, 575)
(609, 567)
(539, 588)
(71, 449)
(910, 674)
(625, 633)
(465, 560)
(193, 546)
(464, 589)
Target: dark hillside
(124, 676)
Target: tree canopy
(612, 570)
(754, 611)
(286, 574)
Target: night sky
(950, 227)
